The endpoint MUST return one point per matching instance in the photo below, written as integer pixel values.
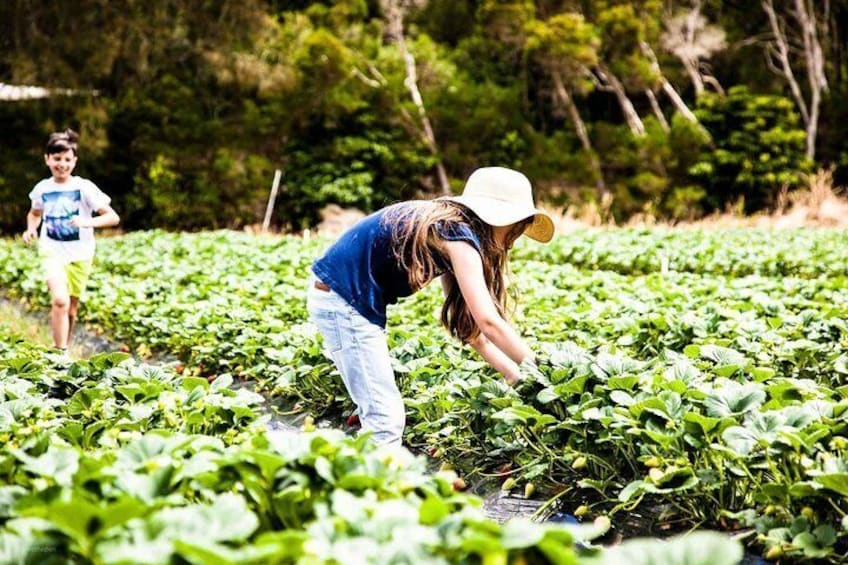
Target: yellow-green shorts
(75, 273)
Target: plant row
(109, 461)
(804, 252)
(697, 397)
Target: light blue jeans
(360, 352)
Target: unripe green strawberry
(653, 461)
(774, 552)
(603, 523)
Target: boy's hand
(79, 222)
(30, 236)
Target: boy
(66, 244)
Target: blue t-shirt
(363, 269)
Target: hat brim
(501, 213)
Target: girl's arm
(497, 359)
(492, 355)
(468, 270)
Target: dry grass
(33, 327)
(23, 325)
(819, 204)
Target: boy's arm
(33, 221)
(107, 217)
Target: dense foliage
(186, 108)
(698, 379)
(108, 460)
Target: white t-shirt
(60, 202)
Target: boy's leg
(60, 303)
(57, 283)
(73, 307)
(77, 274)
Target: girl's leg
(360, 352)
(60, 304)
(364, 358)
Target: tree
(394, 11)
(690, 38)
(622, 64)
(566, 46)
(804, 30)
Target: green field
(696, 378)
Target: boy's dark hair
(61, 141)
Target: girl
(395, 252)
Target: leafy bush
(758, 148)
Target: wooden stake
(278, 174)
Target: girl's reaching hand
(529, 370)
(30, 236)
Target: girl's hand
(79, 222)
(30, 236)
(530, 371)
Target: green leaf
(705, 423)
(433, 510)
(520, 533)
(523, 415)
(632, 489)
(57, 463)
(697, 548)
(837, 482)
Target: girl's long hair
(417, 246)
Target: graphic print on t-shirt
(59, 208)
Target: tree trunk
(813, 62)
(630, 115)
(655, 106)
(694, 75)
(582, 134)
(678, 101)
(668, 88)
(691, 63)
(394, 15)
(815, 69)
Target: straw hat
(501, 197)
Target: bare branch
(782, 54)
(691, 38)
(667, 87)
(394, 10)
(367, 80)
(655, 106)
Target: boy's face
(61, 164)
